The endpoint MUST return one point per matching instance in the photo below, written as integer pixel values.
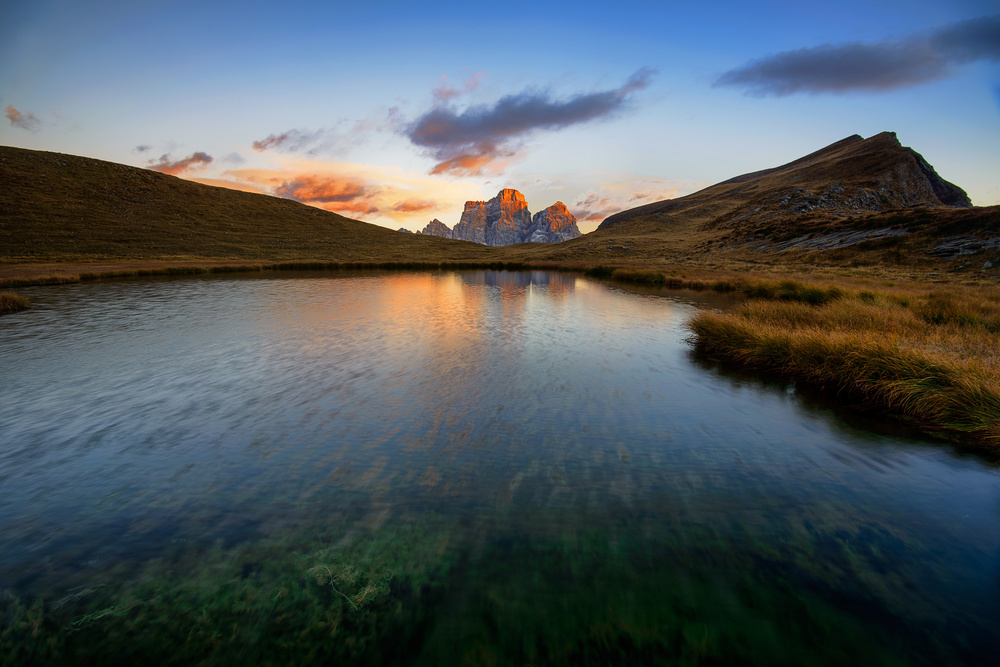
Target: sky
(396, 112)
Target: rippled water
(577, 485)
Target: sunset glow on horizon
(397, 114)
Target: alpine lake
(446, 468)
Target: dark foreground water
(449, 468)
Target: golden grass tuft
(929, 358)
(12, 302)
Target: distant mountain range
(861, 202)
(506, 220)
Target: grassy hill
(63, 208)
(856, 202)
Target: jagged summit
(506, 220)
(850, 177)
(437, 228)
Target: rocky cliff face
(437, 228)
(553, 225)
(505, 219)
(472, 226)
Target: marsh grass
(12, 302)
(930, 358)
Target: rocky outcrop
(553, 225)
(437, 228)
(404, 230)
(472, 226)
(505, 220)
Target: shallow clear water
(573, 477)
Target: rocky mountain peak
(553, 225)
(437, 228)
(505, 220)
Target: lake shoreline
(952, 323)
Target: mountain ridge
(869, 167)
(506, 220)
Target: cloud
(621, 192)
(293, 141)
(475, 139)
(877, 66)
(142, 148)
(473, 165)
(414, 205)
(25, 121)
(167, 165)
(324, 190)
(388, 196)
(342, 137)
(445, 93)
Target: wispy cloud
(293, 141)
(446, 93)
(480, 138)
(874, 66)
(414, 205)
(25, 121)
(142, 148)
(168, 165)
(342, 137)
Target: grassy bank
(926, 356)
(71, 277)
(12, 302)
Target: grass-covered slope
(57, 208)
(929, 357)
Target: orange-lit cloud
(317, 189)
(167, 165)
(472, 165)
(388, 196)
(25, 121)
(414, 205)
(466, 142)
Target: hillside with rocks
(861, 202)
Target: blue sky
(397, 112)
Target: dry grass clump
(12, 302)
(930, 358)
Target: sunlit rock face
(505, 219)
(472, 226)
(437, 228)
(553, 225)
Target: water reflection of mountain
(556, 283)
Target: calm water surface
(572, 484)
